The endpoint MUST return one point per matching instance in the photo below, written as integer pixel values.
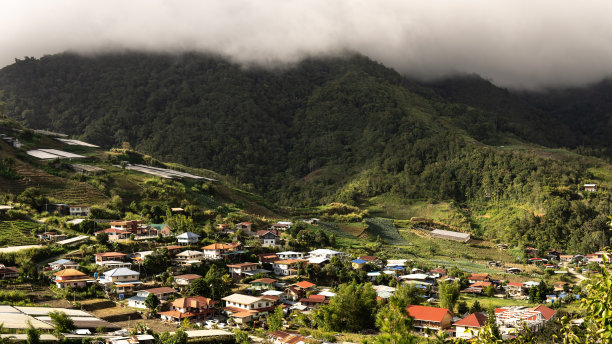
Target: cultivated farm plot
(384, 228)
(354, 229)
(64, 190)
(474, 251)
(17, 233)
(343, 239)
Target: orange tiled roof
(193, 302)
(188, 276)
(177, 314)
(110, 254)
(289, 261)
(218, 247)
(304, 284)
(427, 313)
(477, 320)
(69, 273)
(547, 313)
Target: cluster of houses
(509, 320)
(121, 279)
(265, 294)
(122, 230)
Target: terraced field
(64, 190)
(17, 233)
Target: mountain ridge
(348, 130)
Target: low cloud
(514, 43)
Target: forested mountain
(334, 130)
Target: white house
(245, 308)
(290, 255)
(79, 210)
(241, 268)
(216, 251)
(287, 267)
(120, 275)
(325, 253)
(182, 281)
(469, 326)
(269, 237)
(189, 257)
(188, 238)
(123, 279)
(162, 293)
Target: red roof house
(468, 327)
(429, 317)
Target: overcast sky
(514, 43)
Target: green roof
(158, 226)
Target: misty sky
(515, 43)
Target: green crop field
(16, 233)
(384, 228)
(343, 239)
(354, 229)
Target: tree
(220, 283)
(353, 309)
(88, 226)
(117, 202)
(492, 323)
(62, 322)
(393, 321)
(275, 320)
(449, 293)
(462, 308)
(102, 238)
(489, 290)
(475, 307)
(179, 337)
(199, 287)
(156, 262)
(241, 337)
(33, 334)
(152, 302)
(597, 305)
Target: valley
(275, 192)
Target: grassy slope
(61, 184)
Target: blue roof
(395, 268)
(358, 261)
(137, 298)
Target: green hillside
(116, 191)
(461, 151)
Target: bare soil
(154, 324)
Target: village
(152, 272)
(243, 285)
